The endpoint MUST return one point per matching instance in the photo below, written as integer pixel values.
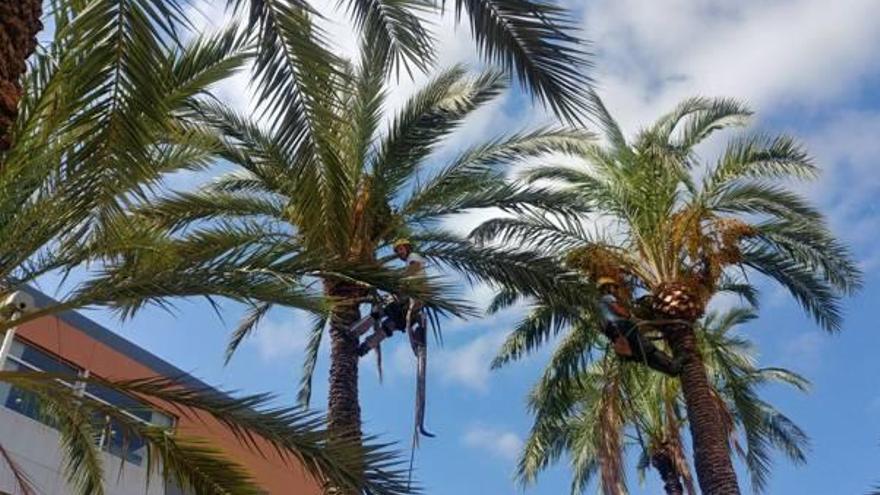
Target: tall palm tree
(683, 231)
(611, 405)
(97, 127)
(321, 216)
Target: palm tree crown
(684, 232)
(593, 416)
(302, 219)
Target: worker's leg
(393, 321)
(646, 352)
(618, 341)
(660, 361)
(372, 342)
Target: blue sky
(808, 67)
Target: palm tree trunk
(343, 408)
(19, 25)
(712, 461)
(664, 463)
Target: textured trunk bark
(712, 461)
(343, 409)
(665, 466)
(343, 404)
(19, 25)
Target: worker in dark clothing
(626, 339)
(394, 312)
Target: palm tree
(95, 130)
(19, 25)
(611, 405)
(683, 232)
(319, 216)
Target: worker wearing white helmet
(394, 313)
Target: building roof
(116, 342)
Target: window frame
(104, 440)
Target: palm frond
(762, 157)
(22, 481)
(452, 190)
(248, 324)
(395, 31)
(538, 42)
(293, 434)
(436, 110)
(313, 346)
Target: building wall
(35, 449)
(58, 336)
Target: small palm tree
(99, 124)
(317, 218)
(611, 405)
(683, 233)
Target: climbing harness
(416, 326)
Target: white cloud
(278, 340)
(502, 444)
(468, 364)
(465, 365)
(798, 52)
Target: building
(71, 343)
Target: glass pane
(122, 401)
(125, 444)
(22, 401)
(5, 387)
(162, 420)
(41, 360)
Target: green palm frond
(713, 115)
(435, 111)
(554, 234)
(191, 462)
(527, 271)
(762, 157)
(451, 189)
(538, 42)
(531, 332)
(395, 31)
(813, 293)
(313, 346)
(246, 326)
(532, 39)
(568, 404)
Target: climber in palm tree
(401, 312)
(626, 338)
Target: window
(23, 357)
(113, 438)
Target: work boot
(661, 362)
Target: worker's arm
(412, 268)
(414, 265)
(619, 309)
